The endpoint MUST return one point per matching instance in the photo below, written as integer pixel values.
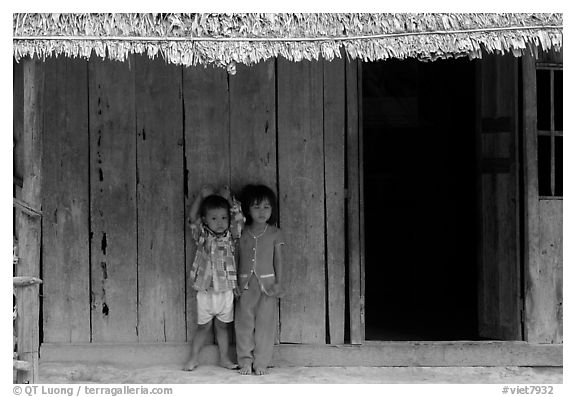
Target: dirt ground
(51, 373)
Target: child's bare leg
(223, 344)
(197, 343)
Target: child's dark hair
(255, 194)
(212, 202)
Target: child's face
(216, 219)
(261, 212)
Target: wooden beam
(24, 281)
(20, 365)
(29, 233)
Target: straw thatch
(227, 39)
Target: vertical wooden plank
(301, 187)
(549, 292)
(334, 170)
(17, 118)
(65, 227)
(113, 242)
(253, 126)
(353, 209)
(17, 136)
(207, 152)
(30, 232)
(499, 288)
(361, 205)
(160, 192)
(531, 212)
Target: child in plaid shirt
(214, 269)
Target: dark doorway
(420, 200)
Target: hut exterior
(118, 123)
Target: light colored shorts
(215, 304)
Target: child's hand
(225, 192)
(206, 191)
(277, 290)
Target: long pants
(255, 326)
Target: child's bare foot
(228, 364)
(191, 365)
(261, 371)
(246, 370)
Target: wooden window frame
(552, 133)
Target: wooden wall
(544, 300)
(128, 145)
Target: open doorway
(420, 200)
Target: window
(549, 116)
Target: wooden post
(355, 293)
(29, 227)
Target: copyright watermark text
(527, 390)
(89, 390)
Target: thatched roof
(227, 39)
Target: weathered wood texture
(334, 173)
(207, 160)
(113, 243)
(301, 180)
(160, 197)
(543, 231)
(499, 271)
(66, 267)
(253, 154)
(18, 118)
(550, 283)
(28, 299)
(156, 134)
(358, 101)
(253, 126)
(24, 281)
(353, 210)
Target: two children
(217, 223)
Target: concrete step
(370, 354)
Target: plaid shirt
(214, 265)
